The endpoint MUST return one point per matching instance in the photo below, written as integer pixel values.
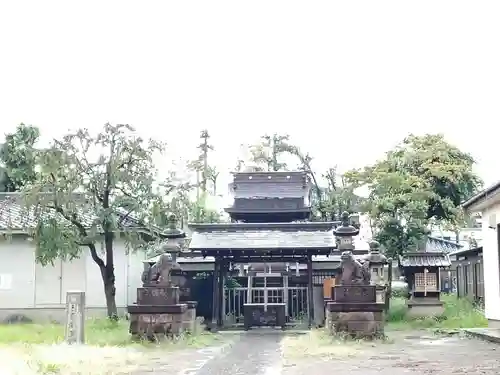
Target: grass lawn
(458, 313)
(40, 348)
(98, 332)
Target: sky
(347, 80)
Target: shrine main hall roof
(263, 236)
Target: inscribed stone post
(75, 317)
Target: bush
(458, 313)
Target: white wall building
(487, 203)
(39, 292)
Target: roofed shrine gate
(263, 271)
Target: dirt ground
(270, 353)
(403, 353)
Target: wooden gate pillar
(215, 293)
(310, 299)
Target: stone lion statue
(161, 271)
(353, 271)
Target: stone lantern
(175, 238)
(378, 262)
(345, 233)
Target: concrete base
(488, 334)
(493, 323)
(423, 308)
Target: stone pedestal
(422, 307)
(355, 311)
(158, 312)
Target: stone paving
(266, 354)
(417, 353)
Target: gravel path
(269, 354)
(253, 354)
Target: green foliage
(206, 176)
(18, 158)
(266, 154)
(332, 192)
(98, 332)
(55, 241)
(87, 187)
(421, 182)
(458, 313)
(335, 196)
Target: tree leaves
(89, 185)
(421, 181)
(18, 158)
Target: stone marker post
(75, 317)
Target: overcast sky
(347, 80)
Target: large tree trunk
(108, 276)
(110, 293)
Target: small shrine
(160, 310)
(354, 309)
(422, 273)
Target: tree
(334, 197)
(172, 196)
(421, 182)
(266, 154)
(205, 174)
(17, 158)
(106, 177)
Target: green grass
(99, 332)
(458, 313)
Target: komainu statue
(161, 271)
(353, 271)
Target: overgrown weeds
(40, 349)
(458, 313)
(98, 332)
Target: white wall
(491, 264)
(27, 285)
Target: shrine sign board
(75, 317)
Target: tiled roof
(425, 259)
(261, 239)
(15, 217)
(435, 244)
(263, 236)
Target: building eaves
(15, 218)
(425, 259)
(481, 196)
